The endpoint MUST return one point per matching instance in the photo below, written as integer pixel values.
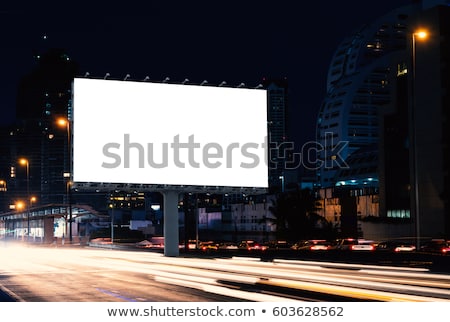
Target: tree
(296, 216)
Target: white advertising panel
(174, 134)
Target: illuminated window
(399, 213)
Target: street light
(282, 182)
(111, 206)
(63, 122)
(417, 35)
(31, 201)
(18, 206)
(26, 163)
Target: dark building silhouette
(46, 93)
(43, 96)
(415, 137)
(280, 148)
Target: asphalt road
(75, 274)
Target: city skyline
(384, 92)
(228, 42)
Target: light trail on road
(87, 274)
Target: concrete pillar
(171, 237)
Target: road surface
(75, 274)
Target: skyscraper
(382, 124)
(43, 96)
(277, 108)
(357, 88)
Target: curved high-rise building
(383, 127)
(358, 85)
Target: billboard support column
(171, 235)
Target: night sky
(232, 41)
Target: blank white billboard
(158, 133)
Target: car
(440, 246)
(192, 243)
(312, 245)
(279, 244)
(396, 246)
(354, 244)
(144, 244)
(251, 245)
(228, 246)
(208, 246)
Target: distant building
(280, 147)
(245, 220)
(43, 96)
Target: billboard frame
(170, 193)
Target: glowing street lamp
(26, 163)
(20, 205)
(62, 122)
(23, 161)
(418, 35)
(421, 34)
(32, 200)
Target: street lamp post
(31, 201)
(26, 163)
(19, 205)
(112, 223)
(418, 35)
(63, 122)
(282, 182)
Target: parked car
(440, 246)
(312, 245)
(354, 244)
(396, 246)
